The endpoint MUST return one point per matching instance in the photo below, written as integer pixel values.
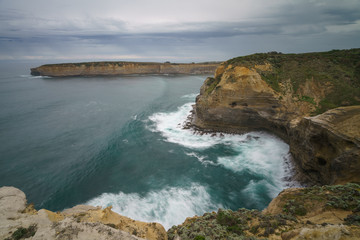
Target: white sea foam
(190, 96)
(169, 206)
(170, 125)
(256, 153)
(201, 159)
(31, 76)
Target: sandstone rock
(121, 68)
(276, 93)
(237, 99)
(79, 222)
(327, 147)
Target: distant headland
(122, 68)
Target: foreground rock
(327, 212)
(121, 68)
(19, 220)
(279, 93)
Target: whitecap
(259, 154)
(169, 206)
(255, 189)
(35, 77)
(190, 96)
(201, 159)
(171, 127)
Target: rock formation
(327, 212)
(121, 68)
(278, 93)
(19, 220)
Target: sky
(173, 30)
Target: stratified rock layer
(278, 93)
(327, 146)
(121, 68)
(19, 220)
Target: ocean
(119, 141)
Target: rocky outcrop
(121, 68)
(327, 212)
(19, 220)
(279, 93)
(327, 146)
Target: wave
(169, 206)
(201, 159)
(258, 154)
(170, 125)
(31, 76)
(190, 96)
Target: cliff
(121, 68)
(327, 212)
(20, 220)
(283, 94)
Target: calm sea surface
(118, 141)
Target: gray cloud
(182, 31)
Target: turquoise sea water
(119, 141)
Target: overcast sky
(173, 30)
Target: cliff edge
(20, 220)
(316, 213)
(284, 94)
(122, 68)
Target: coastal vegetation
(338, 70)
(292, 210)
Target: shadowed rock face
(247, 95)
(121, 68)
(237, 99)
(327, 147)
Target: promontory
(122, 68)
(310, 100)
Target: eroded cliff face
(269, 92)
(20, 220)
(327, 146)
(121, 68)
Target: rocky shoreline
(20, 220)
(266, 92)
(298, 97)
(326, 212)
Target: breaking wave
(169, 206)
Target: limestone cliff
(19, 220)
(327, 146)
(121, 68)
(327, 212)
(278, 93)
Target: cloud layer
(173, 30)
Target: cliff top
(119, 63)
(327, 212)
(336, 71)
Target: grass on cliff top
(227, 224)
(338, 69)
(120, 63)
(253, 224)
